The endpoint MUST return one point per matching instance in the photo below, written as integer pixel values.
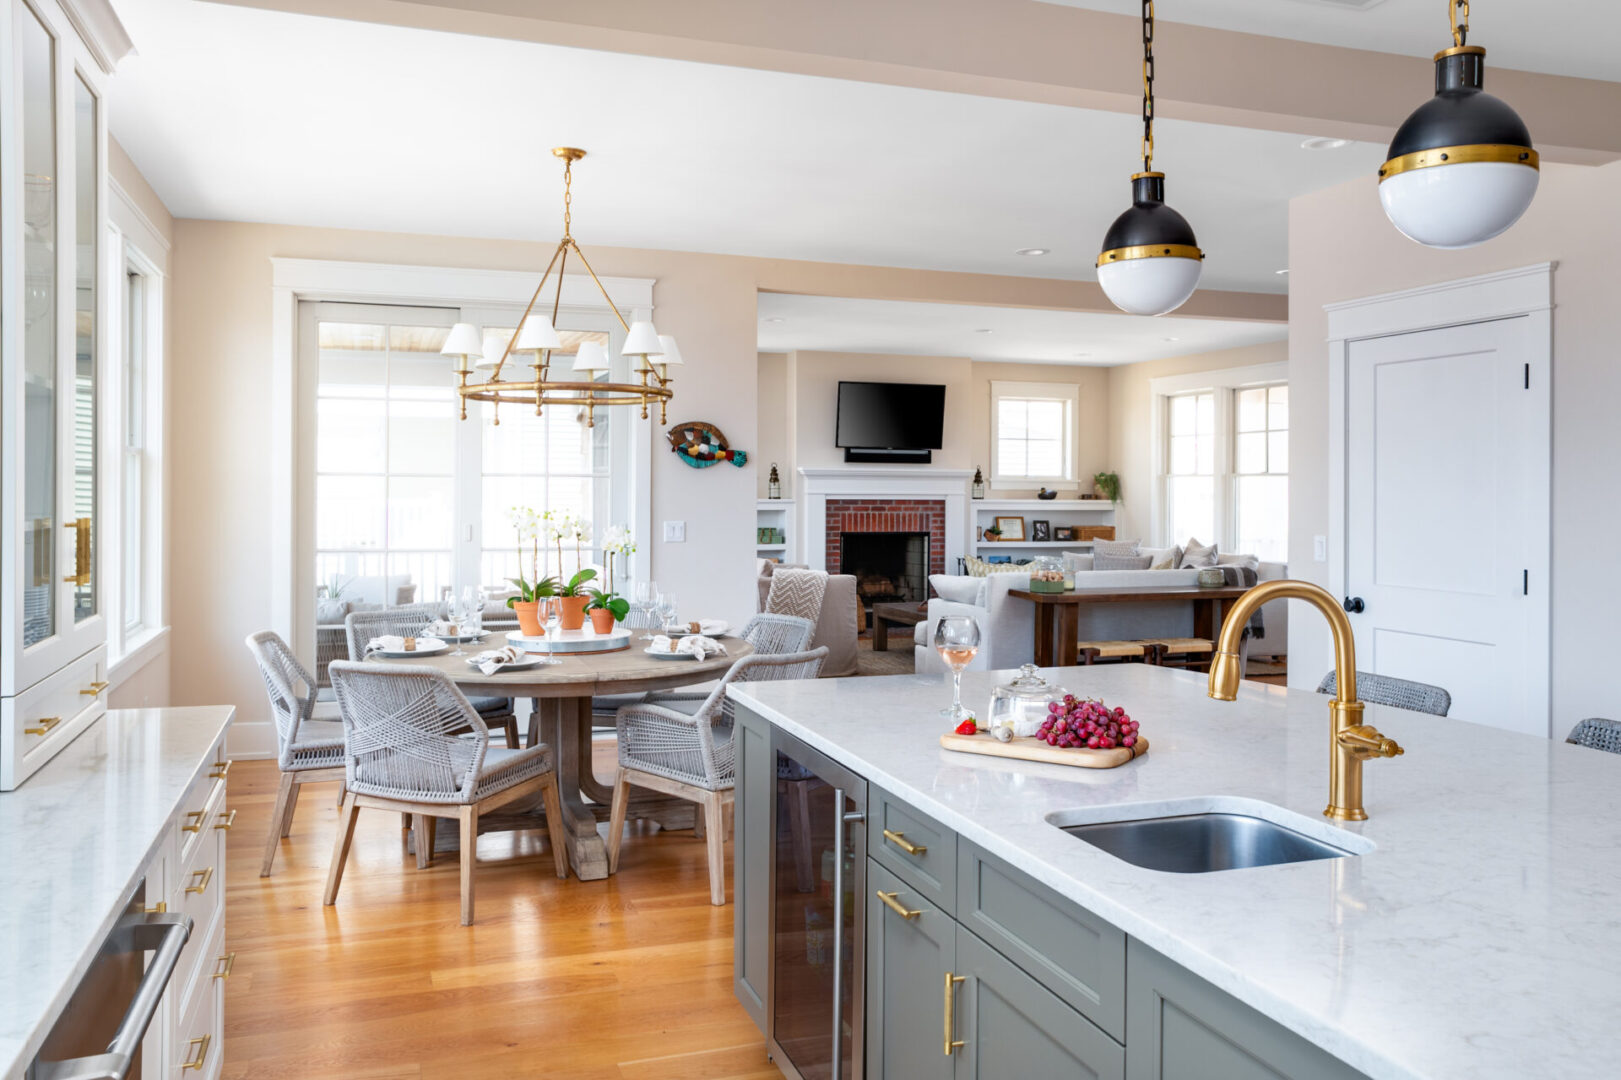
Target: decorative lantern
(978, 490)
(774, 485)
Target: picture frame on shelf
(1041, 532)
(1064, 533)
(1012, 528)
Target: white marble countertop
(1480, 939)
(73, 840)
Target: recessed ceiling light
(1173, 339)
(775, 318)
(1285, 270)
(984, 331)
(1033, 251)
(1324, 143)
(1082, 355)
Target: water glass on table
(644, 598)
(667, 609)
(473, 610)
(957, 639)
(553, 614)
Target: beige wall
(1092, 420)
(815, 394)
(1130, 410)
(1341, 248)
(774, 443)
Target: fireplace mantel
(818, 485)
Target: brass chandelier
(651, 354)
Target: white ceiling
(1558, 37)
(236, 113)
(834, 324)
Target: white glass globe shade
(1150, 286)
(1458, 206)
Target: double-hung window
(1033, 434)
(1261, 468)
(1190, 487)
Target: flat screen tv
(891, 416)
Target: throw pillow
(1197, 555)
(1121, 562)
(1077, 562)
(1116, 547)
(330, 612)
(979, 567)
(1164, 558)
(958, 590)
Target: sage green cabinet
(909, 957)
(751, 853)
(1179, 1027)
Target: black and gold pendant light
(1151, 260)
(1461, 169)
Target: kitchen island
(1472, 934)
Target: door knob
(1354, 605)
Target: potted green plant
(605, 609)
(526, 604)
(572, 599)
(1107, 486)
(993, 532)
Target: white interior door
(1447, 457)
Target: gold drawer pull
(194, 820)
(95, 688)
(196, 1059)
(45, 726)
(222, 769)
(896, 906)
(158, 908)
(226, 821)
(951, 1012)
(223, 965)
(900, 841)
(200, 880)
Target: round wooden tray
(575, 642)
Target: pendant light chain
(1460, 26)
(568, 196)
(1148, 84)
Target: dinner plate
(512, 665)
(660, 654)
(458, 638)
(709, 628)
(425, 647)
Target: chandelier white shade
(465, 341)
(537, 332)
(669, 353)
(591, 357)
(642, 340)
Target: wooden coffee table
(898, 614)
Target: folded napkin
(696, 645)
(491, 660)
(386, 643)
(444, 628)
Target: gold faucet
(1350, 741)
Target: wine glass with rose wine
(957, 639)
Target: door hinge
(1528, 376)
(1525, 583)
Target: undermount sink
(1212, 837)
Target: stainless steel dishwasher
(815, 1007)
(98, 1034)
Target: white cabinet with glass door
(53, 290)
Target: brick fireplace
(907, 499)
(922, 520)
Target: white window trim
(1070, 394)
(1226, 380)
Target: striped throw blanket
(797, 592)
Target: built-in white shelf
(1058, 505)
(775, 514)
(771, 547)
(992, 545)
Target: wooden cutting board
(1033, 749)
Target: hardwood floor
(624, 979)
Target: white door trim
(1525, 292)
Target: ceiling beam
(1028, 52)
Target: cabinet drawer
(196, 1050)
(200, 893)
(921, 851)
(48, 715)
(202, 806)
(1077, 956)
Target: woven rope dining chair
(767, 635)
(693, 757)
(1398, 693)
(406, 621)
(1597, 733)
(402, 754)
(307, 750)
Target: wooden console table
(1058, 615)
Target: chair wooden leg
(340, 848)
(273, 840)
(405, 821)
(287, 813)
(512, 732)
(554, 823)
(423, 829)
(698, 824)
(469, 855)
(715, 836)
(616, 818)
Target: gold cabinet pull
(223, 965)
(158, 908)
(900, 841)
(194, 821)
(896, 906)
(222, 769)
(81, 551)
(200, 880)
(198, 1054)
(226, 821)
(95, 688)
(44, 727)
(951, 1011)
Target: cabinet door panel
(908, 960)
(751, 854)
(1011, 1025)
(1182, 1028)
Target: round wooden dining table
(562, 695)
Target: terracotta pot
(529, 619)
(602, 620)
(571, 611)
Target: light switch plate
(1319, 548)
(675, 532)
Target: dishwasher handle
(165, 934)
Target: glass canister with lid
(1047, 574)
(1023, 704)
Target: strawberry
(967, 727)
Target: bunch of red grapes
(1091, 725)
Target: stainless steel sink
(1204, 842)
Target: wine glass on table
(554, 618)
(667, 610)
(455, 615)
(473, 611)
(957, 639)
(646, 598)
